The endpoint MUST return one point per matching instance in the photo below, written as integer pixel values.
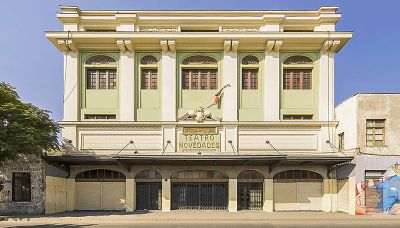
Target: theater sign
(199, 139)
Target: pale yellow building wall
(56, 195)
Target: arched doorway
(199, 190)
(250, 190)
(148, 190)
(296, 190)
(100, 189)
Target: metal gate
(200, 196)
(250, 196)
(148, 196)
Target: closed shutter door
(113, 195)
(285, 196)
(309, 196)
(88, 195)
(343, 195)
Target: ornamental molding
(231, 45)
(100, 60)
(158, 29)
(250, 60)
(199, 60)
(240, 29)
(125, 45)
(199, 115)
(274, 45)
(168, 46)
(67, 45)
(330, 46)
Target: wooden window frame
(97, 71)
(341, 141)
(374, 134)
(199, 72)
(302, 75)
(149, 75)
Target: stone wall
(36, 205)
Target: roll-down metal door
(148, 196)
(298, 190)
(199, 196)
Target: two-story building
(369, 129)
(202, 110)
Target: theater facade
(197, 110)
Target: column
(71, 87)
(232, 195)
(70, 194)
(268, 195)
(130, 195)
(230, 76)
(352, 195)
(168, 81)
(127, 86)
(334, 195)
(166, 195)
(271, 86)
(327, 196)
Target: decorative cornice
(124, 18)
(235, 45)
(227, 45)
(67, 45)
(158, 29)
(330, 46)
(240, 29)
(164, 46)
(171, 45)
(274, 45)
(231, 45)
(125, 45)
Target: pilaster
(71, 86)
(232, 195)
(168, 80)
(70, 194)
(272, 79)
(230, 76)
(130, 194)
(126, 81)
(268, 195)
(166, 195)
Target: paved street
(201, 219)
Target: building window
(149, 72)
(297, 79)
(376, 132)
(341, 141)
(199, 79)
(149, 79)
(100, 117)
(297, 117)
(101, 79)
(21, 187)
(250, 71)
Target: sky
(30, 63)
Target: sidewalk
(202, 219)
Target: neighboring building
(146, 125)
(22, 186)
(369, 129)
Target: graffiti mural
(379, 194)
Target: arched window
(100, 175)
(297, 73)
(199, 175)
(149, 72)
(148, 174)
(250, 176)
(250, 72)
(297, 175)
(199, 72)
(101, 72)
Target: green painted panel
(251, 102)
(101, 99)
(97, 101)
(300, 101)
(148, 102)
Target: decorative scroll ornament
(250, 60)
(158, 29)
(297, 59)
(101, 60)
(240, 29)
(148, 60)
(199, 60)
(199, 115)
